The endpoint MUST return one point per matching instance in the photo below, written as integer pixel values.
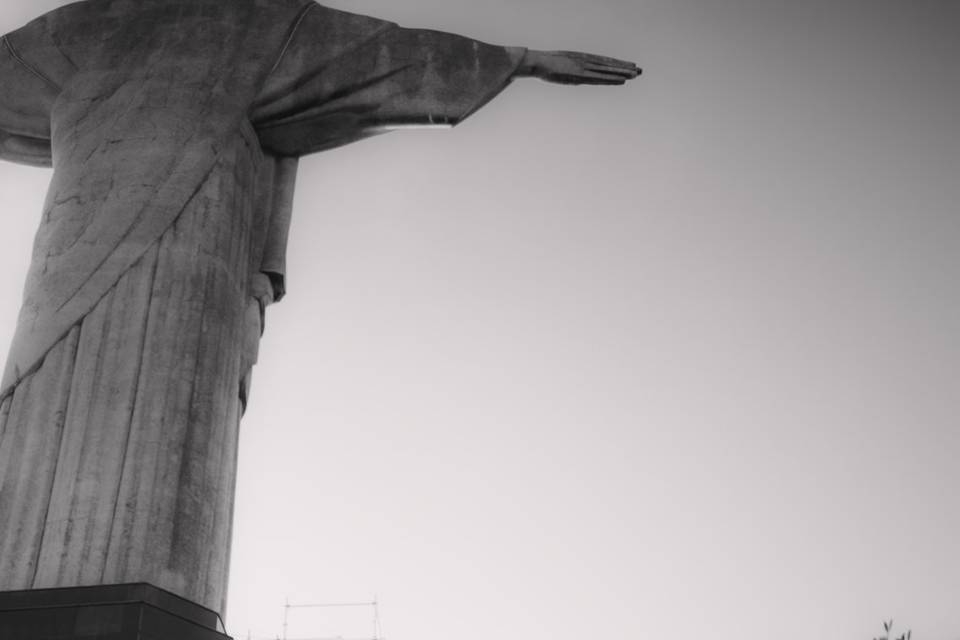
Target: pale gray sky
(674, 360)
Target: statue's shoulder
(100, 17)
(39, 44)
(95, 33)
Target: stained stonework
(174, 128)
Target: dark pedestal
(114, 612)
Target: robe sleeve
(25, 99)
(344, 77)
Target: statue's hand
(572, 67)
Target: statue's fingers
(626, 72)
(600, 77)
(629, 72)
(565, 79)
(614, 63)
(598, 59)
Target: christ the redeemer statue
(173, 128)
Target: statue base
(111, 612)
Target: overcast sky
(676, 360)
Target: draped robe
(173, 127)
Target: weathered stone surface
(29, 452)
(139, 97)
(173, 127)
(143, 474)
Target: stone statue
(174, 128)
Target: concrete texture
(173, 128)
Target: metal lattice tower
(373, 605)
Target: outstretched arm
(573, 67)
(344, 77)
